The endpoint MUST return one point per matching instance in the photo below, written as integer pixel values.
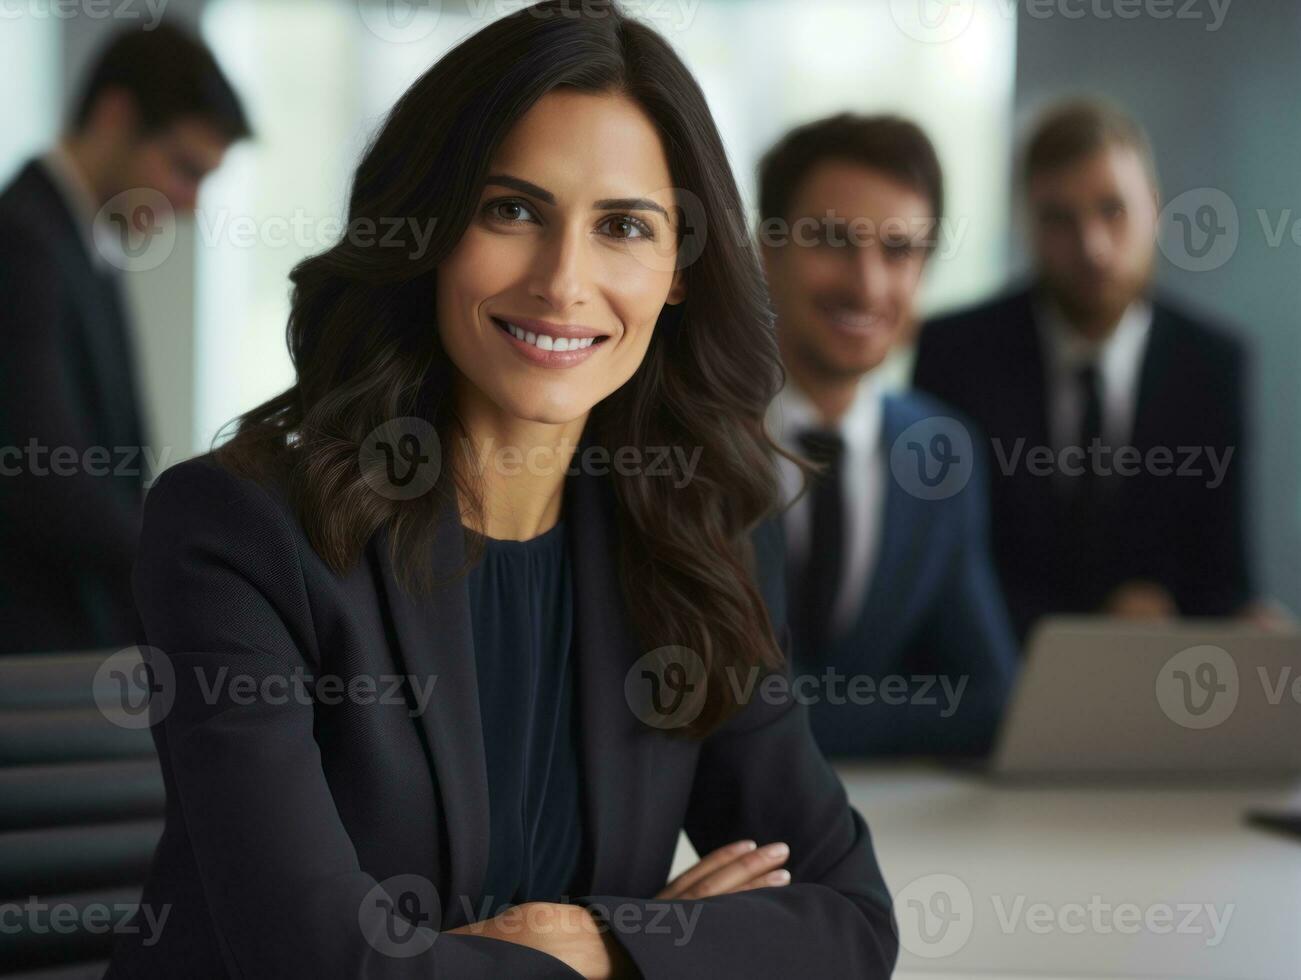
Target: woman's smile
(556, 345)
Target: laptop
(1204, 698)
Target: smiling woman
(594, 676)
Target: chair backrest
(81, 805)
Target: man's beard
(1097, 310)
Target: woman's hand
(573, 936)
(567, 932)
(736, 867)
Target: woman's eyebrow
(505, 180)
(546, 197)
(628, 204)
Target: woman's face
(548, 302)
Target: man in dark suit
(894, 605)
(1115, 418)
(154, 117)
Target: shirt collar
(791, 412)
(79, 199)
(1068, 350)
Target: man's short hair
(1072, 131)
(169, 75)
(890, 144)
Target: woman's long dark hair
(366, 350)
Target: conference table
(1039, 881)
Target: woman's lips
(539, 354)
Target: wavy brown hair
(364, 350)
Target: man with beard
(1115, 418)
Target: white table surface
(1076, 883)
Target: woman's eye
(626, 226)
(510, 211)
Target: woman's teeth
(546, 341)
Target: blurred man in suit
(893, 599)
(1115, 418)
(155, 116)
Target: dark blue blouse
(521, 607)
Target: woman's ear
(678, 291)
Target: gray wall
(1223, 109)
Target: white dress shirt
(863, 472)
(1119, 360)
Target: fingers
(734, 869)
(772, 879)
(709, 863)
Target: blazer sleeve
(762, 776)
(967, 640)
(1216, 575)
(221, 593)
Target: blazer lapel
(435, 640)
(628, 768)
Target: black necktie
(1083, 487)
(815, 590)
(1090, 404)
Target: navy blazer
(282, 818)
(1183, 529)
(933, 616)
(67, 384)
